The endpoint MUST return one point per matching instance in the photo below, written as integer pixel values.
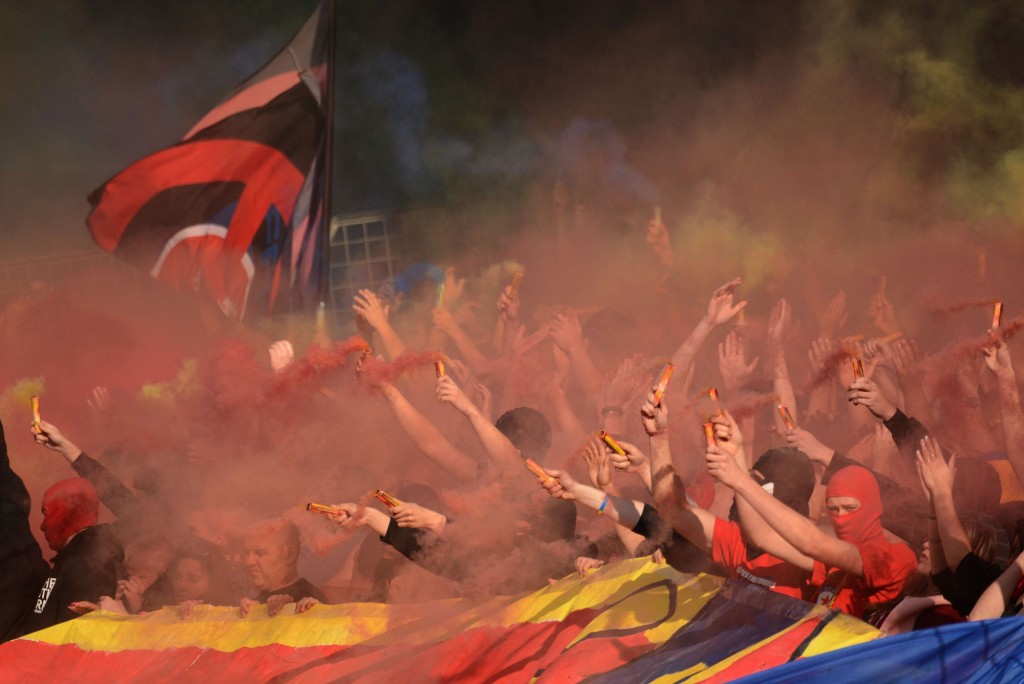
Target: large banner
(633, 621)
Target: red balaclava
(69, 506)
(865, 523)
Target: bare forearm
(474, 358)
(498, 447)
(795, 529)
(666, 485)
(1012, 419)
(428, 439)
(585, 371)
(392, 343)
(916, 402)
(783, 387)
(685, 355)
(951, 532)
(993, 601)
(936, 553)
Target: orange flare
(324, 508)
(516, 280)
(787, 417)
(612, 444)
(439, 368)
(997, 314)
(535, 468)
(36, 417)
(386, 498)
(858, 367)
(709, 434)
(666, 375)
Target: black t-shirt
(22, 567)
(964, 587)
(679, 551)
(298, 589)
(87, 568)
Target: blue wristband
(603, 504)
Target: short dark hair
(528, 430)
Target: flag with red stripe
(233, 210)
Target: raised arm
(624, 512)
(692, 522)
(501, 451)
(428, 439)
(730, 441)
(994, 601)
(937, 477)
(445, 322)
(565, 331)
(721, 309)
(112, 492)
(782, 385)
(794, 528)
(369, 308)
(997, 358)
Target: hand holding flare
(663, 380)
(787, 417)
(535, 468)
(326, 510)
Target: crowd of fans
(862, 488)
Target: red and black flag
(233, 211)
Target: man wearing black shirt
(271, 557)
(89, 557)
(22, 567)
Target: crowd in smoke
(864, 459)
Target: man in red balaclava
(858, 566)
(855, 507)
(89, 557)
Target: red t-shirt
(729, 550)
(886, 568)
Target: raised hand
(281, 355)
(443, 320)
(99, 400)
(654, 417)
(368, 306)
(508, 304)
(450, 393)
(834, 317)
(997, 357)
(721, 307)
(936, 475)
(881, 312)
(566, 332)
(408, 514)
(723, 467)
(778, 323)
(626, 384)
(731, 364)
(598, 463)
(810, 445)
(559, 484)
(905, 355)
(865, 392)
(52, 438)
(634, 461)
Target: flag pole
(328, 176)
